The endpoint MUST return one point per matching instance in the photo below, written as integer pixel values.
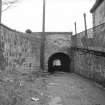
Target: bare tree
(6, 4)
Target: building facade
(98, 12)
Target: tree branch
(8, 3)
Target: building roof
(97, 3)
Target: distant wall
(56, 42)
(19, 51)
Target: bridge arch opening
(59, 62)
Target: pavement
(56, 89)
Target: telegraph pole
(85, 24)
(42, 48)
(75, 28)
(0, 10)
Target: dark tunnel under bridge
(59, 62)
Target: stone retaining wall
(19, 51)
(89, 53)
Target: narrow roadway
(66, 89)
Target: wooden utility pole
(75, 28)
(85, 24)
(86, 30)
(0, 10)
(42, 48)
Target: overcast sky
(60, 15)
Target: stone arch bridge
(22, 50)
(82, 54)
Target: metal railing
(94, 38)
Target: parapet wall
(19, 51)
(93, 38)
